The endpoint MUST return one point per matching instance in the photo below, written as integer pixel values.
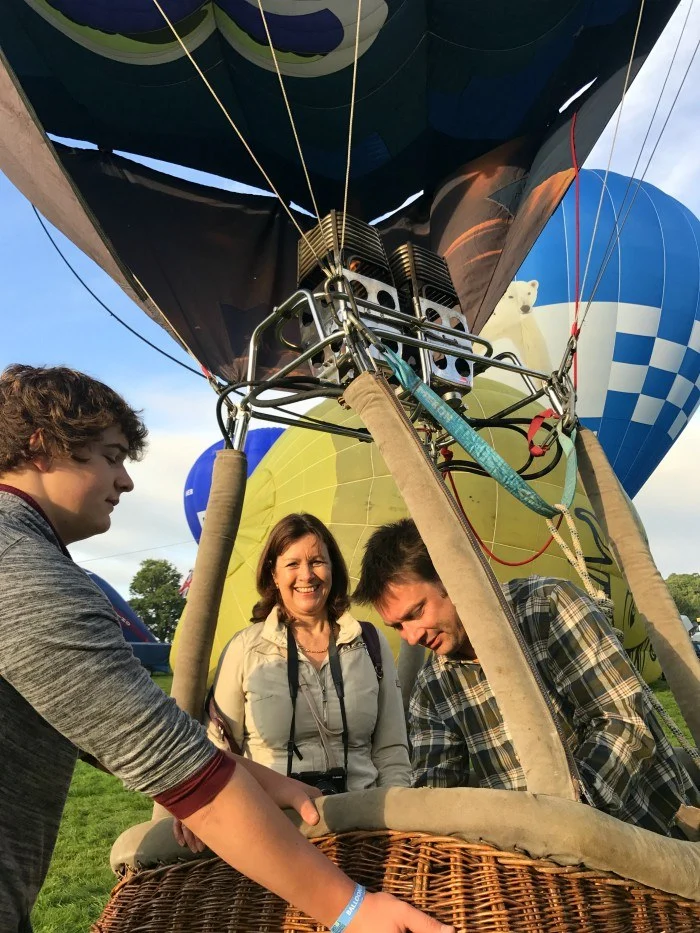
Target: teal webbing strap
(476, 446)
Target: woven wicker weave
(475, 887)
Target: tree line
(154, 594)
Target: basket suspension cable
(350, 122)
(617, 228)
(614, 140)
(577, 247)
(292, 124)
(631, 179)
(236, 130)
(447, 455)
(620, 226)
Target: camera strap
(293, 680)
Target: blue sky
(49, 318)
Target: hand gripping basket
(601, 876)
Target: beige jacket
(252, 692)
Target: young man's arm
(63, 652)
(241, 826)
(439, 754)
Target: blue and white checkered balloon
(639, 352)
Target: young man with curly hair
(69, 681)
(626, 766)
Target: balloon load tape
(408, 300)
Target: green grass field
(98, 810)
(80, 879)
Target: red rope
(577, 232)
(447, 454)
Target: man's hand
(286, 792)
(382, 912)
(185, 837)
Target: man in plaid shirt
(458, 737)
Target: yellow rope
(575, 558)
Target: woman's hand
(185, 837)
(286, 792)
(382, 913)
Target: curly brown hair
(55, 411)
(288, 530)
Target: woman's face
(303, 575)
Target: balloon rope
(238, 133)
(351, 121)
(577, 245)
(116, 316)
(575, 557)
(616, 232)
(289, 109)
(614, 139)
(482, 543)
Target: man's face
(423, 614)
(82, 491)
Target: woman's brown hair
(56, 411)
(288, 530)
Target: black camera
(328, 782)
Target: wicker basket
(477, 888)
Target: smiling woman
(347, 728)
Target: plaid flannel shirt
(625, 762)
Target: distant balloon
(198, 481)
(153, 654)
(639, 351)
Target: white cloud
(669, 506)
(151, 520)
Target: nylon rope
(238, 133)
(488, 458)
(351, 121)
(292, 124)
(116, 317)
(620, 227)
(668, 721)
(577, 244)
(575, 557)
(614, 140)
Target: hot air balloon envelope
(464, 101)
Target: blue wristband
(351, 908)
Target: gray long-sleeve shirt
(68, 680)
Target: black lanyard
(293, 678)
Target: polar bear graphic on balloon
(516, 326)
